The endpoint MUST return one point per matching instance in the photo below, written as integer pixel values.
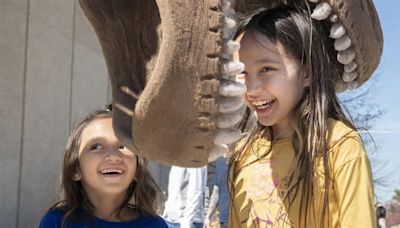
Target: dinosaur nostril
(214, 29)
(212, 56)
(214, 8)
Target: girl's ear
(136, 169)
(305, 76)
(77, 176)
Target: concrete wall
(52, 73)
(12, 68)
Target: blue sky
(385, 93)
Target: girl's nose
(253, 85)
(114, 156)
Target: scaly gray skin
(171, 68)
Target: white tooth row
(342, 45)
(226, 121)
(231, 104)
(111, 171)
(258, 103)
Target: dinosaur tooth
(334, 18)
(349, 77)
(230, 88)
(346, 56)
(230, 47)
(229, 22)
(229, 120)
(232, 68)
(352, 85)
(350, 67)
(229, 27)
(230, 104)
(342, 43)
(321, 11)
(337, 31)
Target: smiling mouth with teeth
(111, 172)
(261, 105)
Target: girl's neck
(282, 135)
(282, 131)
(108, 208)
(285, 128)
(126, 214)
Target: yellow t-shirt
(258, 188)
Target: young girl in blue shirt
(103, 183)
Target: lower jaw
(264, 116)
(264, 112)
(112, 176)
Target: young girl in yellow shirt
(303, 164)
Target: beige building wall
(52, 73)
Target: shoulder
(339, 131)
(344, 142)
(248, 144)
(51, 219)
(54, 218)
(142, 221)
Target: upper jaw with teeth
(111, 171)
(262, 102)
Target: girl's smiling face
(274, 84)
(105, 165)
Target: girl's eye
(267, 69)
(121, 147)
(96, 146)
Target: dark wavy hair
(143, 193)
(380, 212)
(307, 41)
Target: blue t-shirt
(54, 218)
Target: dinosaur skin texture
(171, 68)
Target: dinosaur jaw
(168, 74)
(178, 122)
(170, 65)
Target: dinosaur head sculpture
(171, 68)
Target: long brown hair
(308, 42)
(143, 193)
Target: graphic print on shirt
(263, 194)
